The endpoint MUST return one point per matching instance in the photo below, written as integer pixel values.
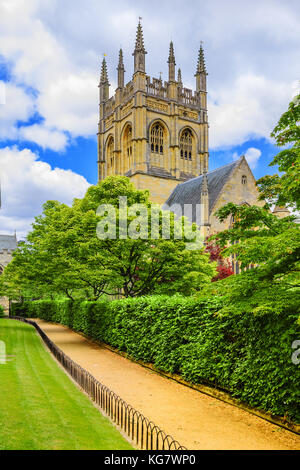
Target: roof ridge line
(209, 172)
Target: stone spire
(172, 63)
(139, 42)
(179, 78)
(201, 67)
(104, 83)
(104, 74)
(201, 71)
(139, 51)
(121, 70)
(204, 185)
(204, 200)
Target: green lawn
(40, 407)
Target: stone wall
(159, 188)
(234, 190)
(5, 258)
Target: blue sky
(50, 56)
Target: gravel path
(196, 420)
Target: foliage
(1, 311)
(264, 242)
(246, 354)
(285, 189)
(259, 237)
(271, 247)
(64, 255)
(224, 268)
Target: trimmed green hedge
(247, 355)
(1, 311)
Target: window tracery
(186, 144)
(128, 141)
(157, 139)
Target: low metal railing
(138, 428)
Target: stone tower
(154, 132)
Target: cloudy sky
(50, 56)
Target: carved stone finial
(201, 67)
(179, 78)
(104, 74)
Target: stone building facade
(154, 132)
(8, 243)
(233, 182)
(157, 134)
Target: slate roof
(189, 192)
(8, 242)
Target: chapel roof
(8, 242)
(189, 192)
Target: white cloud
(67, 96)
(252, 49)
(27, 183)
(249, 109)
(46, 138)
(252, 156)
(18, 106)
(71, 103)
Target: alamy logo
(296, 354)
(139, 221)
(4, 358)
(2, 93)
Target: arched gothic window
(110, 152)
(244, 179)
(128, 141)
(186, 144)
(157, 138)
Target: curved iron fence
(139, 429)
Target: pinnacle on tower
(201, 67)
(104, 83)
(121, 70)
(121, 63)
(139, 42)
(171, 58)
(171, 62)
(104, 75)
(179, 78)
(201, 72)
(139, 51)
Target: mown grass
(40, 407)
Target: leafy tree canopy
(285, 188)
(63, 253)
(260, 240)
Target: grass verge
(40, 407)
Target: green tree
(63, 253)
(285, 188)
(258, 239)
(268, 250)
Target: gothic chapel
(156, 133)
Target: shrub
(246, 354)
